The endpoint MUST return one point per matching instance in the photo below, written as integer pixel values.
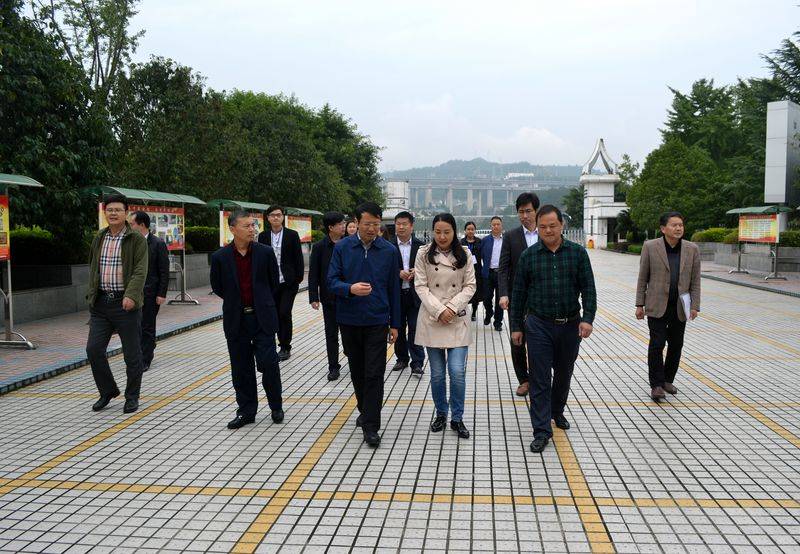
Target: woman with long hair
(473, 244)
(351, 228)
(444, 278)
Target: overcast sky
(430, 81)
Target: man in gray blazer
(669, 268)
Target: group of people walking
(375, 292)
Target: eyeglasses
(115, 210)
(371, 225)
(526, 212)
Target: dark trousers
(148, 329)
(552, 351)
(519, 357)
(405, 348)
(667, 330)
(477, 298)
(331, 335)
(285, 302)
(106, 318)
(490, 290)
(366, 354)
(254, 345)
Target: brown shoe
(670, 388)
(522, 389)
(657, 393)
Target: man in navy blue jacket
(491, 246)
(245, 275)
(363, 276)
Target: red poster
(5, 229)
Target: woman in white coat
(444, 279)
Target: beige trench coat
(443, 286)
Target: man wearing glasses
(291, 270)
(117, 272)
(515, 242)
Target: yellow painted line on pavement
(748, 407)
(290, 488)
(752, 334)
(588, 510)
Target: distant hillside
(480, 168)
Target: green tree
(93, 34)
(48, 132)
(573, 204)
(628, 171)
(785, 65)
(678, 177)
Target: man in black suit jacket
(286, 245)
(408, 245)
(515, 242)
(155, 286)
(245, 275)
(318, 293)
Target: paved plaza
(714, 469)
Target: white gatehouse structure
(599, 209)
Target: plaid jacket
(548, 284)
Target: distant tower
(599, 209)
(397, 198)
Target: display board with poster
(301, 224)
(166, 223)
(761, 228)
(225, 235)
(5, 229)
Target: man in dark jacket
(291, 270)
(408, 245)
(117, 271)
(155, 286)
(245, 275)
(363, 276)
(318, 293)
(515, 242)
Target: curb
(750, 285)
(48, 371)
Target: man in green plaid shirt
(551, 275)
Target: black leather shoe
(487, 319)
(284, 355)
(561, 422)
(359, 421)
(372, 439)
(103, 401)
(539, 443)
(460, 428)
(277, 416)
(498, 327)
(438, 424)
(241, 421)
(131, 405)
(145, 367)
(333, 374)
(399, 366)
(473, 318)
(417, 370)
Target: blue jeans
(457, 367)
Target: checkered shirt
(111, 279)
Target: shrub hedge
(202, 239)
(635, 248)
(715, 234)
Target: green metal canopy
(235, 204)
(301, 211)
(759, 210)
(149, 195)
(18, 180)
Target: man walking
(515, 242)
(117, 272)
(245, 275)
(155, 286)
(491, 247)
(408, 245)
(291, 270)
(669, 271)
(363, 276)
(550, 277)
(318, 292)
